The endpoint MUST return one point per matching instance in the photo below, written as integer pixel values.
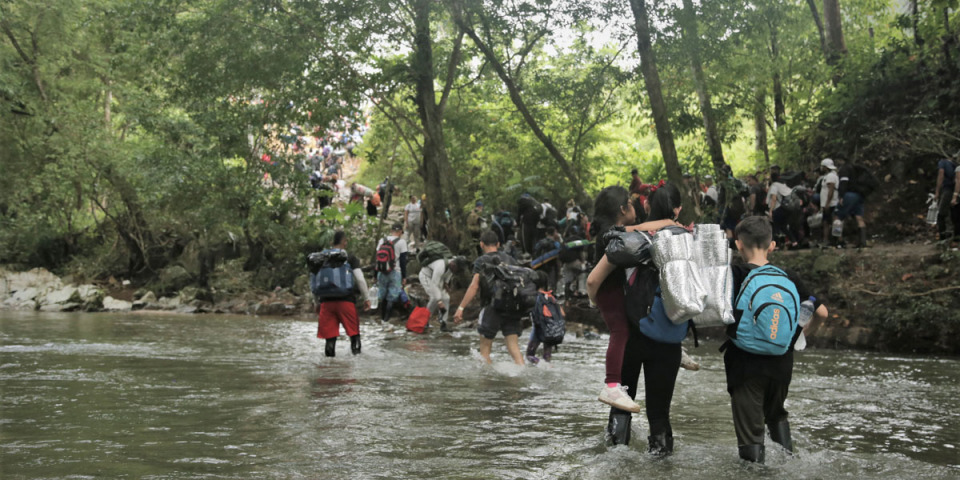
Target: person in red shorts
(334, 312)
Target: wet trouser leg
(547, 351)
(355, 344)
(330, 349)
(659, 363)
(533, 344)
(756, 403)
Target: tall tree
(833, 29)
(692, 36)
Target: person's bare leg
(513, 346)
(486, 344)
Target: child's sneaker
(688, 363)
(617, 397)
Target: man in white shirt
(711, 196)
(828, 195)
(435, 278)
(390, 277)
(411, 220)
(778, 214)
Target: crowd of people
(532, 260)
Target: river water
(157, 396)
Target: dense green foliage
(130, 139)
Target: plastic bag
(627, 249)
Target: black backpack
(509, 288)
(548, 315)
(863, 181)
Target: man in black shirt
(492, 321)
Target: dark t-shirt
(741, 364)
(949, 174)
(760, 201)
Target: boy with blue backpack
(335, 280)
(549, 325)
(758, 356)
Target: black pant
(660, 363)
(755, 403)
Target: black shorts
(492, 321)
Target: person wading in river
(492, 321)
(631, 350)
(336, 311)
(757, 383)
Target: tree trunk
(518, 102)
(832, 20)
(779, 109)
(915, 14)
(760, 125)
(691, 32)
(816, 20)
(658, 106)
(439, 179)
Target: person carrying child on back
(391, 267)
(629, 350)
(549, 324)
(335, 279)
(758, 356)
(495, 318)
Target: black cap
(398, 227)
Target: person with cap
(828, 195)
(391, 269)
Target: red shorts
(334, 313)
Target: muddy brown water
(130, 396)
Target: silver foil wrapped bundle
(713, 258)
(682, 290)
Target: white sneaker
(617, 397)
(688, 363)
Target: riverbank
(899, 298)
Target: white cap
(826, 162)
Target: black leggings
(660, 363)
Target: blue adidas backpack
(334, 278)
(770, 304)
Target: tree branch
(451, 73)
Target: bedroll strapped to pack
(548, 315)
(511, 288)
(386, 256)
(433, 251)
(331, 275)
(770, 303)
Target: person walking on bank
(829, 198)
(411, 221)
(337, 307)
(758, 374)
(492, 321)
(943, 197)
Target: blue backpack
(770, 303)
(334, 277)
(645, 310)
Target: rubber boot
(780, 433)
(751, 453)
(387, 309)
(381, 307)
(618, 427)
(355, 344)
(331, 348)
(661, 438)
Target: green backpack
(431, 252)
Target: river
(163, 396)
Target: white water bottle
(837, 230)
(803, 318)
(933, 211)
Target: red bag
(418, 320)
